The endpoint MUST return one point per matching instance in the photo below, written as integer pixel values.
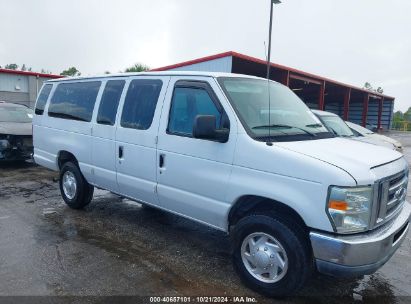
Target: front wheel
(75, 190)
(270, 255)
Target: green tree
(407, 115)
(11, 66)
(398, 116)
(138, 67)
(71, 72)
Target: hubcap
(69, 185)
(264, 257)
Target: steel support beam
(347, 97)
(285, 78)
(321, 97)
(305, 79)
(380, 106)
(365, 109)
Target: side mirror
(204, 128)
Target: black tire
(295, 243)
(84, 191)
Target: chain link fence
(401, 125)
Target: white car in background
(16, 140)
(360, 131)
(336, 125)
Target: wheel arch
(249, 204)
(64, 156)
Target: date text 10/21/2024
(205, 299)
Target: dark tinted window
(140, 103)
(74, 100)
(42, 99)
(187, 103)
(109, 102)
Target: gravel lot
(116, 247)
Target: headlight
(350, 208)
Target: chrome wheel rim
(69, 185)
(264, 257)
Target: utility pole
(272, 2)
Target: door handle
(161, 161)
(120, 152)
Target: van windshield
(16, 114)
(284, 118)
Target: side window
(140, 103)
(109, 102)
(42, 99)
(74, 100)
(186, 104)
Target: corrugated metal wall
(14, 83)
(223, 65)
(372, 114)
(334, 107)
(312, 104)
(387, 114)
(21, 89)
(355, 112)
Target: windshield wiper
(284, 126)
(316, 125)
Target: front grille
(392, 192)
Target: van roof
(159, 73)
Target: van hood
(15, 128)
(354, 157)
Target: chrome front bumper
(359, 254)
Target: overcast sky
(351, 41)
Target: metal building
(351, 103)
(20, 86)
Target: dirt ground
(115, 247)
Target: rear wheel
(75, 190)
(271, 255)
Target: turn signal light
(338, 205)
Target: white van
(237, 153)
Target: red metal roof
(26, 73)
(274, 65)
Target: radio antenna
(272, 2)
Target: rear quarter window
(74, 100)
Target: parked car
(360, 131)
(371, 127)
(16, 141)
(210, 147)
(335, 124)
